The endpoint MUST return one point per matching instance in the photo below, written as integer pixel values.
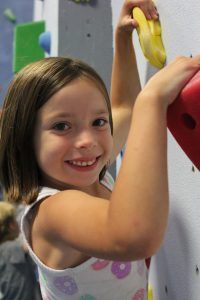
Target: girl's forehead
(77, 96)
(79, 90)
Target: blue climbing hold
(45, 41)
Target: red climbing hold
(183, 119)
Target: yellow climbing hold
(149, 34)
(150, 293)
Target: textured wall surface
(175, 269)
(85, 31)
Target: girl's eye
(100, 122)
(61, 126)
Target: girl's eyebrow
(101, 112)
(71, 115)
(61, 115)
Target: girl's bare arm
(125, 84)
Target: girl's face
(72, 136)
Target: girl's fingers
(126, 21)
(150, 11)
(181, 70)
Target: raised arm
(143, 178)
(125, 83)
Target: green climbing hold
(8, 13)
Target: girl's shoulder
(29, 211)
(44, 192)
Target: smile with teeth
(82, 163)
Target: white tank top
(95, 279)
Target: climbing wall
(85, 31)
(80, 29)
(175, 269)
(11, 14)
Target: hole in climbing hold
(188, 121)
(166, 290)
(88, 35)
(197, 270)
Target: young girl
(57, 140)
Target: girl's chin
(73, 177)
(73, 183)
(80, 184)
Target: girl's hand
(165, 85)
(126, 23)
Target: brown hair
(29, 91)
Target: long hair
(30, 89)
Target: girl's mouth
(83, 165)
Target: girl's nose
(85, 139)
